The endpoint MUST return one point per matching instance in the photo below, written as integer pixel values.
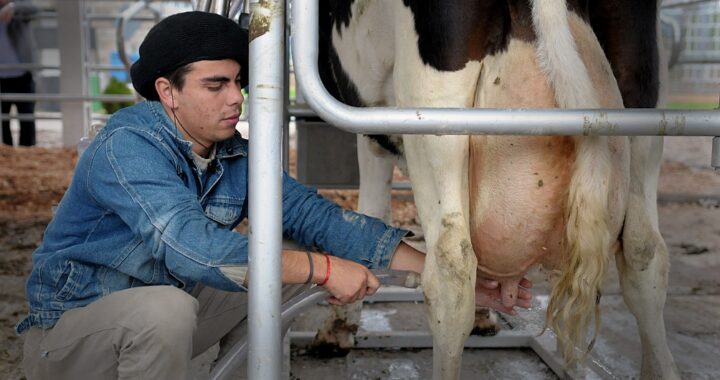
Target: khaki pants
(139, 333)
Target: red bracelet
(327, 271)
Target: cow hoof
(327, 350)
(486, 323)
(334, 343)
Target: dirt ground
(32, 180)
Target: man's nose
(236, 95)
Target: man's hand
(503, 295)
(349, 281)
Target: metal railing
(373, 120)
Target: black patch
(483, 25)
(333, 76)
(521, 23)
(692, 249)
(580, 7)
(626, 31)
(387, 143)
(340, 12)
(336, 81)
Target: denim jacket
(138, 212)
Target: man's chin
(227, 132)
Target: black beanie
(185, 38)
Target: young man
(140, 268)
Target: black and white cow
(499, 204)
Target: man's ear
(165, 91)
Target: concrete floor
(692, 316)
(692, 311)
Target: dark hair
(177, 77)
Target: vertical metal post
(267, 33)
(73, 78)
(286, 96)
(220, 7)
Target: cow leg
(376, 173)
(336, 336)
(438, 173)
(643, 265)
(437, 166)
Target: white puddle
(376, 320)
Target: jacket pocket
(224, 210)
(71, 276)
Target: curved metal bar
(298, 304)
(374, 120)
(236, 7)
(124, 17)
(238, 354)
(677, 39)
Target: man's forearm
(296, 268)
(407, 258)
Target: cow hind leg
(336, 336)
(486, 322)
(643, 264)
(376, 174)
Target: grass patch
(692, 105)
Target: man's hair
(177, 77)
(184, 38)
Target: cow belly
(518, 191)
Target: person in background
(140, 269)
(17, 46)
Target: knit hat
(185, 38)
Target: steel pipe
(21, 97)
(220, 7)
(445, 121)
(236, 7)
(203, 5)
(28, 66)
(686, 4)
(267, 28)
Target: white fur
(558, 56)
(366, 50)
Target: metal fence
(695, 27)
(75, 88)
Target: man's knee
(167, 309)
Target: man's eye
(215, 88)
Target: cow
(498, 205)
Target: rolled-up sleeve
(313, 221)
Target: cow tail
(574, 301)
